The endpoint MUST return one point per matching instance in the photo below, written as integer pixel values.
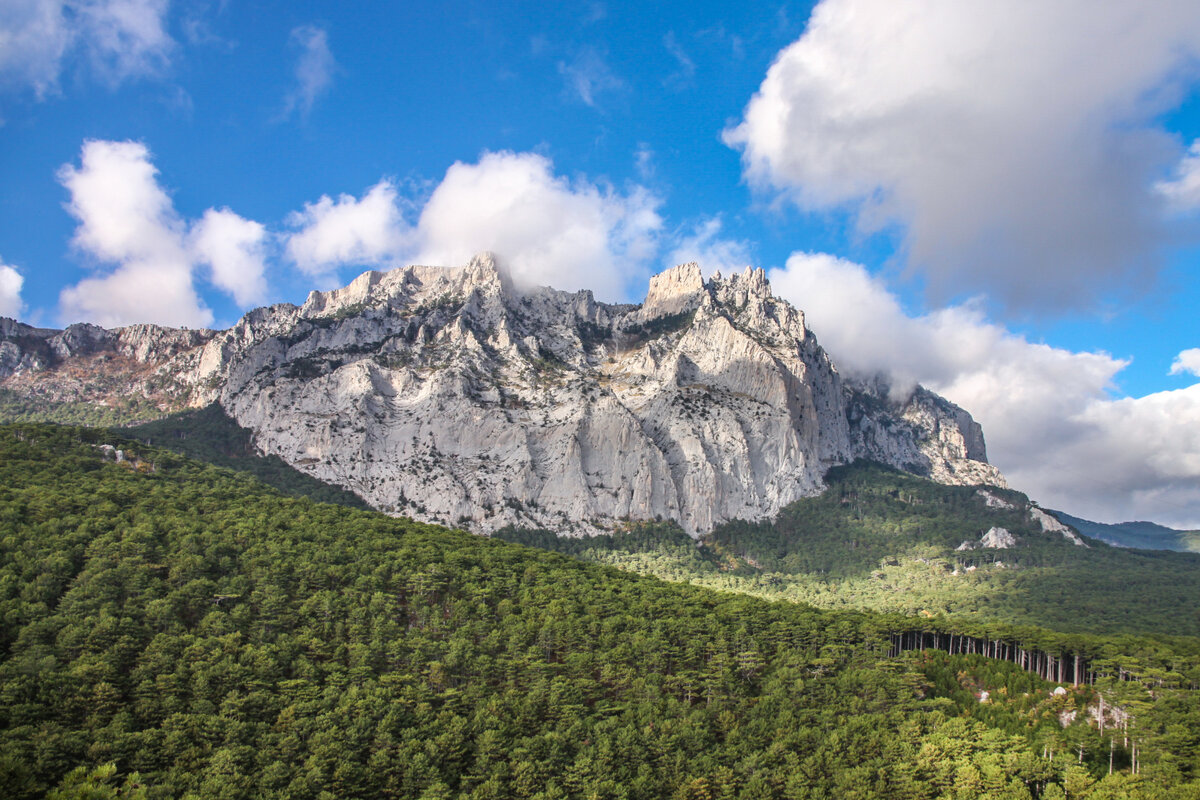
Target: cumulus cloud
(10, 291)
(235, 249)
(366, 231)
(314, 69)
(705, 245)
(1188, 361)
(120, 39)
(1051, 423)
(1016, 154)
(546, 229)
(128, 221)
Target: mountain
(451, 395)
(1139, 535)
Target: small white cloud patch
(368, 231)
(235, 249)
(10, 291)
(705, 245)
(588, 76)
(1188, 361)
(1183, 191)
(315, 67)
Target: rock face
(448, 395)
(1051, 524)
(998, 538)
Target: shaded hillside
(211, 435)
(1140, 535)
(219, 639)
(883, 540)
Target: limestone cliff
(449, 395)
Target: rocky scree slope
(449, 395)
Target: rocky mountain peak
(445, 394)
(673, 291)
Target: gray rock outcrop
(998, 539)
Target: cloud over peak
(1051, 425)
(366, 231)
(546, 228)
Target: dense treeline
(887, 541)
(212, 638)
(18, 407)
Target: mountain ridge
(1136, 534)
(451, 395)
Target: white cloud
(123, 212)
(361, 232)
(1051, 425)
(546, 229)
(121, 39)
(10, 291)
(683, 76)
(588, 76)
(705, 246)
(1183, 191)
(314, 69)
(127, 220)
(235, 249)
(33, 38)
(125, 38)
(1013, 145)
(1188, 361)
(643, 161)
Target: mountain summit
(451, 395)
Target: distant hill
(1138, 535)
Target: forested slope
(221, 640)
(884, 540)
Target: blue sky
(997, 202)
